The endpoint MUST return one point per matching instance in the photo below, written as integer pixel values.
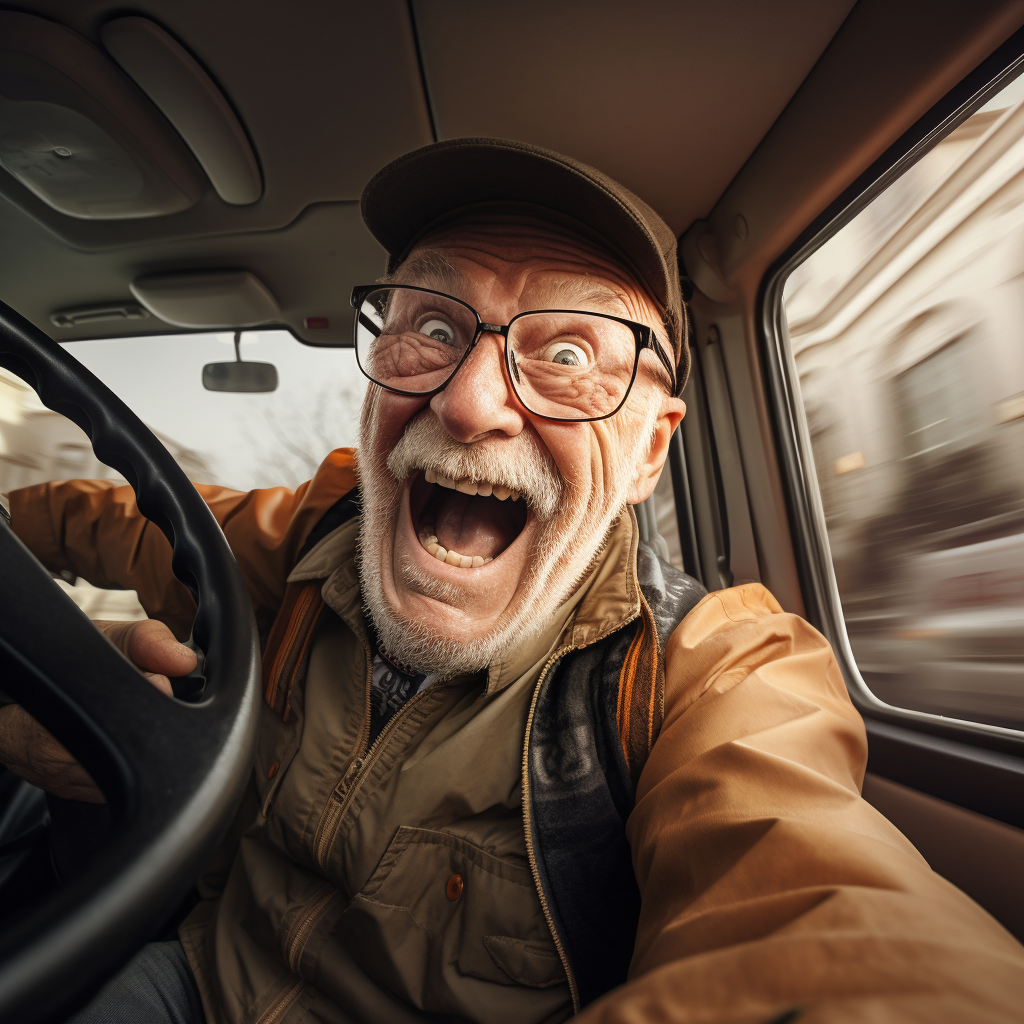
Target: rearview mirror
(246, 378)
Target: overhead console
(77, 133)
(207, 299)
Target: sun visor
(77, 132)
(171, 77)
(215, 298)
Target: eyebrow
(429, 270)
(574, 292)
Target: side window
(663, 504)
(907, 333)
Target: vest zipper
(329, 815)
(528, 829)
(303, 928)
(295, 945)
(283, 1005)
(341, 799)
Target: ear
(647, 474)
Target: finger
(161, 682)
(31, 752)
(72, 783)
(150, 645)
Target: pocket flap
(525, 962)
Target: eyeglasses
(564, 364)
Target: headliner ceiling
(668, 97)
(671, 97)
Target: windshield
(238, 440)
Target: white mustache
(518, 463)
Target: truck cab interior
(846, 180)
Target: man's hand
(31, 752)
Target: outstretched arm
(771, 890)
(94, 529)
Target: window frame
(972, 764)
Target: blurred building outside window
(907, 331)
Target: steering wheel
(173, 773)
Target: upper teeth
(483, 488)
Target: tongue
(472, 525)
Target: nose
(478, 401)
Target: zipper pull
(346, 780)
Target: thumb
(151, 646)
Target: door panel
(977, 854)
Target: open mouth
(465, 523)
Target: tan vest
(393, 883)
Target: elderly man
(511, 766)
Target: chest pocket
(452, 929)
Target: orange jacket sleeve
(94, 529)
(768, 884)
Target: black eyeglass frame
(642, 334)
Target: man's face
(508, 563)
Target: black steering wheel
(173, 773)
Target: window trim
(807, 522)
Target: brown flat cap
(415, 191)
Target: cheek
(585, 454)
(569, 445)
(606, 446)
(384, 418)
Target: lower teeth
(431, 545)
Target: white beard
(573, 530)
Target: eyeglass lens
(566, 365)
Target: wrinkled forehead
(547, 264)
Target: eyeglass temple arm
(358, 294)
(652, 343)
(366, 322)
